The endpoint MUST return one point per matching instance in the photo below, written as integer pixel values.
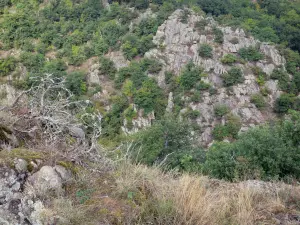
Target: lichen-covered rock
(45, 181)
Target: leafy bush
(233, 76)
(282, 77)
(100, 46)
(200, 25)
(151, 65)
(258, 100)
(251, 54)
(221, 110)
(190, 76)
(111, 32)
(230, 129)
(33, 62)
(268, 152)
(7, 65)
(184, 16)
(219, 36)
(170, 138)
(229, 59)
(284, 103)
(55, 67)
(75, 82)
(148, 97)
(107, 67)
(134, 71)
(76, 56)
(205, 51)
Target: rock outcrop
(22, 194)
(177, 44)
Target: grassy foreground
(137, 194)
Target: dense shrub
(33, 62)
(219, 36)
(221, 110)
(201, 24)
(111, 32)
(170, 141)
(55, 67)
(284, 103)
(268, 152)
(75, 82)
(151, 65)
(205, 51)
(7, 65)
(190, 76)
(258, 100)
(229, 130)
(233, 76)
(251, 54)
(283, 79)
(148, 97)
(100, 46)
(107, 67)
(229, 59)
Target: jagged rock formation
(21, 193)
(177, 44)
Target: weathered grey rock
(45, 181)
(65, 174)
(118, 58)
(77, 132)
(21, 165)
(170, 105)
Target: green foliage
(113, 120)
(99, 45)
(7, 65)
(268, 152)
(251, 54)
(205, 51)
(107, 67)
(200, 25)
(190, 76)
(221, 110)
(151, 65)
(111, 32)
(219, 36)
(282, 77)
(233, 76)
(184, 16)
(135, 72)
(75, 82)
(134, 45)
(229, 59)
(148, 97)
(55, 67)
(33, 62)
(284, 103)
(168, 138)
(215, 7)
(229, 130)
(258, 100)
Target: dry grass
(137, 194)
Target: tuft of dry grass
(137, 194)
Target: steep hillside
(149, 112)
(179, 44)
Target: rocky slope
(177, 44)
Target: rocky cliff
(177, 44)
